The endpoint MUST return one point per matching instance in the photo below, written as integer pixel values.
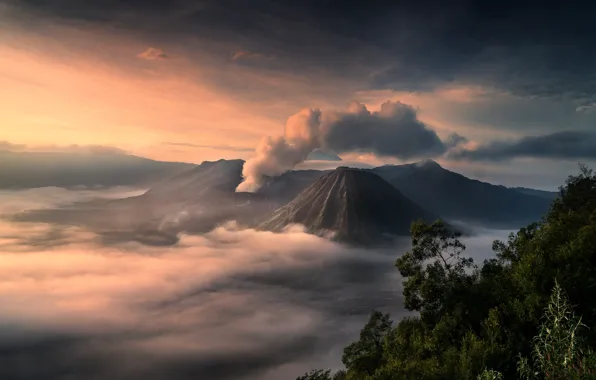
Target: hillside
(456, 197)
(550, 195)
(355, 205)
(210, 177)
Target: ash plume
(274, 156)
(392, 131)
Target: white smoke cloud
(392, 131)
(274, 156)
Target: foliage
(366, 354)
(319, 374)
(316, 374)
(558, 353)
(489, 374)
(475, 322)
(431, 286)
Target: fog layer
(230, 304)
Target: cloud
(232, 304)
(153, 54)
(392, 45)
(18, 201)
(215, 147)
(392, 131)
(559, 145)
(73, 148)
(247, 55)
(586, 108)
(276, 155)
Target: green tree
(435, 272)
(366, 355)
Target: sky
(502, 91)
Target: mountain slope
(457, 197)
(210, 177)
(355, 205)
(287, 186)
(550, 195)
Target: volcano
(351, 205)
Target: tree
(366, 354)
(434, 270)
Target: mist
(232, 303)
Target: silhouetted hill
(456, 197)
(355, 205)
(550, 195)
(210, 177)
(200, 198)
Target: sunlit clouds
(153, 54)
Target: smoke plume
(392, 131)
(274, 156)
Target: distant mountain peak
(321, 155)
(428, 163)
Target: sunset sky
(201, 80)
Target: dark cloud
(454, 140)
(519, 47)
(393, 131)
(559, 145)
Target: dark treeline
(528, 313)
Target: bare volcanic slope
(355, 205)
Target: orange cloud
(82, 86)
(243, 54)
(153, 54)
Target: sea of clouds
(229, 304)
